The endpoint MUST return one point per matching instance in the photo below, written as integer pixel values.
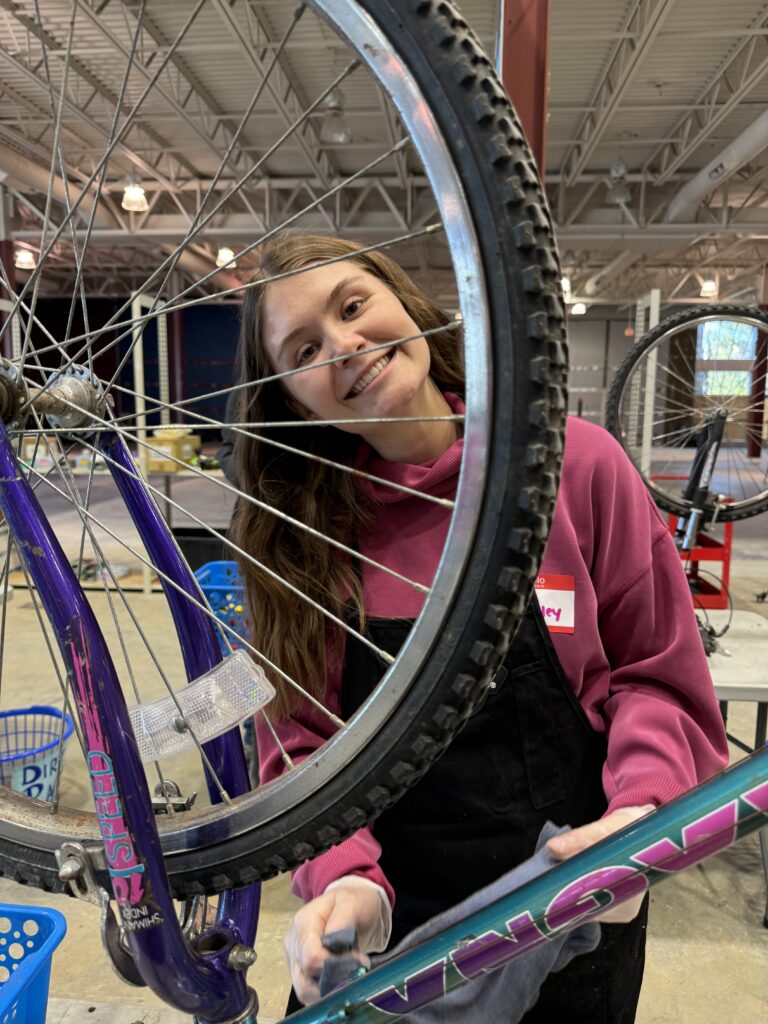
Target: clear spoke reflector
(203, 710)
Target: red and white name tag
(556, 596)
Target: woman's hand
(350, 902)
(573, 842)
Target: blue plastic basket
(224, 592)
(29, 749)
(28, 938)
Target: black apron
(527, 755)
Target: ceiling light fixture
(565, 283)
(226, 258)
(334, 130)
(24, 259)
(134, 198)
(708, 289)
(578, 309)
(618, 193)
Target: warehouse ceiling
(656, 165)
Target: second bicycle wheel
(483, 221)
(700, 363)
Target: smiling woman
(365, 349)
(345, 321)
(580, 726)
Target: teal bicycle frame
(702, 822)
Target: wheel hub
(13, 393)
(71, 399)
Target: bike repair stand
(713, 592)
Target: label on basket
(556, 596)
(37, 780)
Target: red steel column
(525, 67)
(6, 258)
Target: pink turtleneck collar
(436, 477)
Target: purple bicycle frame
(197, 980)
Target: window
(723, 383)
(725, 352)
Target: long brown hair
(284, 627)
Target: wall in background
(209, 342)
(597, 344)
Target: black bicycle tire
(690, 315)
(523, 274)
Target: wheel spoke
(285, 757)
(384, 346)
(217, 424)
(172, 260)
(207, 611)
(200, 222)
(51, 176)
(661, 365)
(46, 251)
(3, 614)
(750, 471)
(244, 554)
(226, 486)
(99, 192)
(173, 306)
(269, 509)
(62, 677)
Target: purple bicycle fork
(197, 980)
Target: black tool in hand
(340, 968)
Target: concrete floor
(707, 950)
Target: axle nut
(241, 958)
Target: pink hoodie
(634, 657)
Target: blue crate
(223, 589)
(28, 938)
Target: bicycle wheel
(695, 365)
(463, 150)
